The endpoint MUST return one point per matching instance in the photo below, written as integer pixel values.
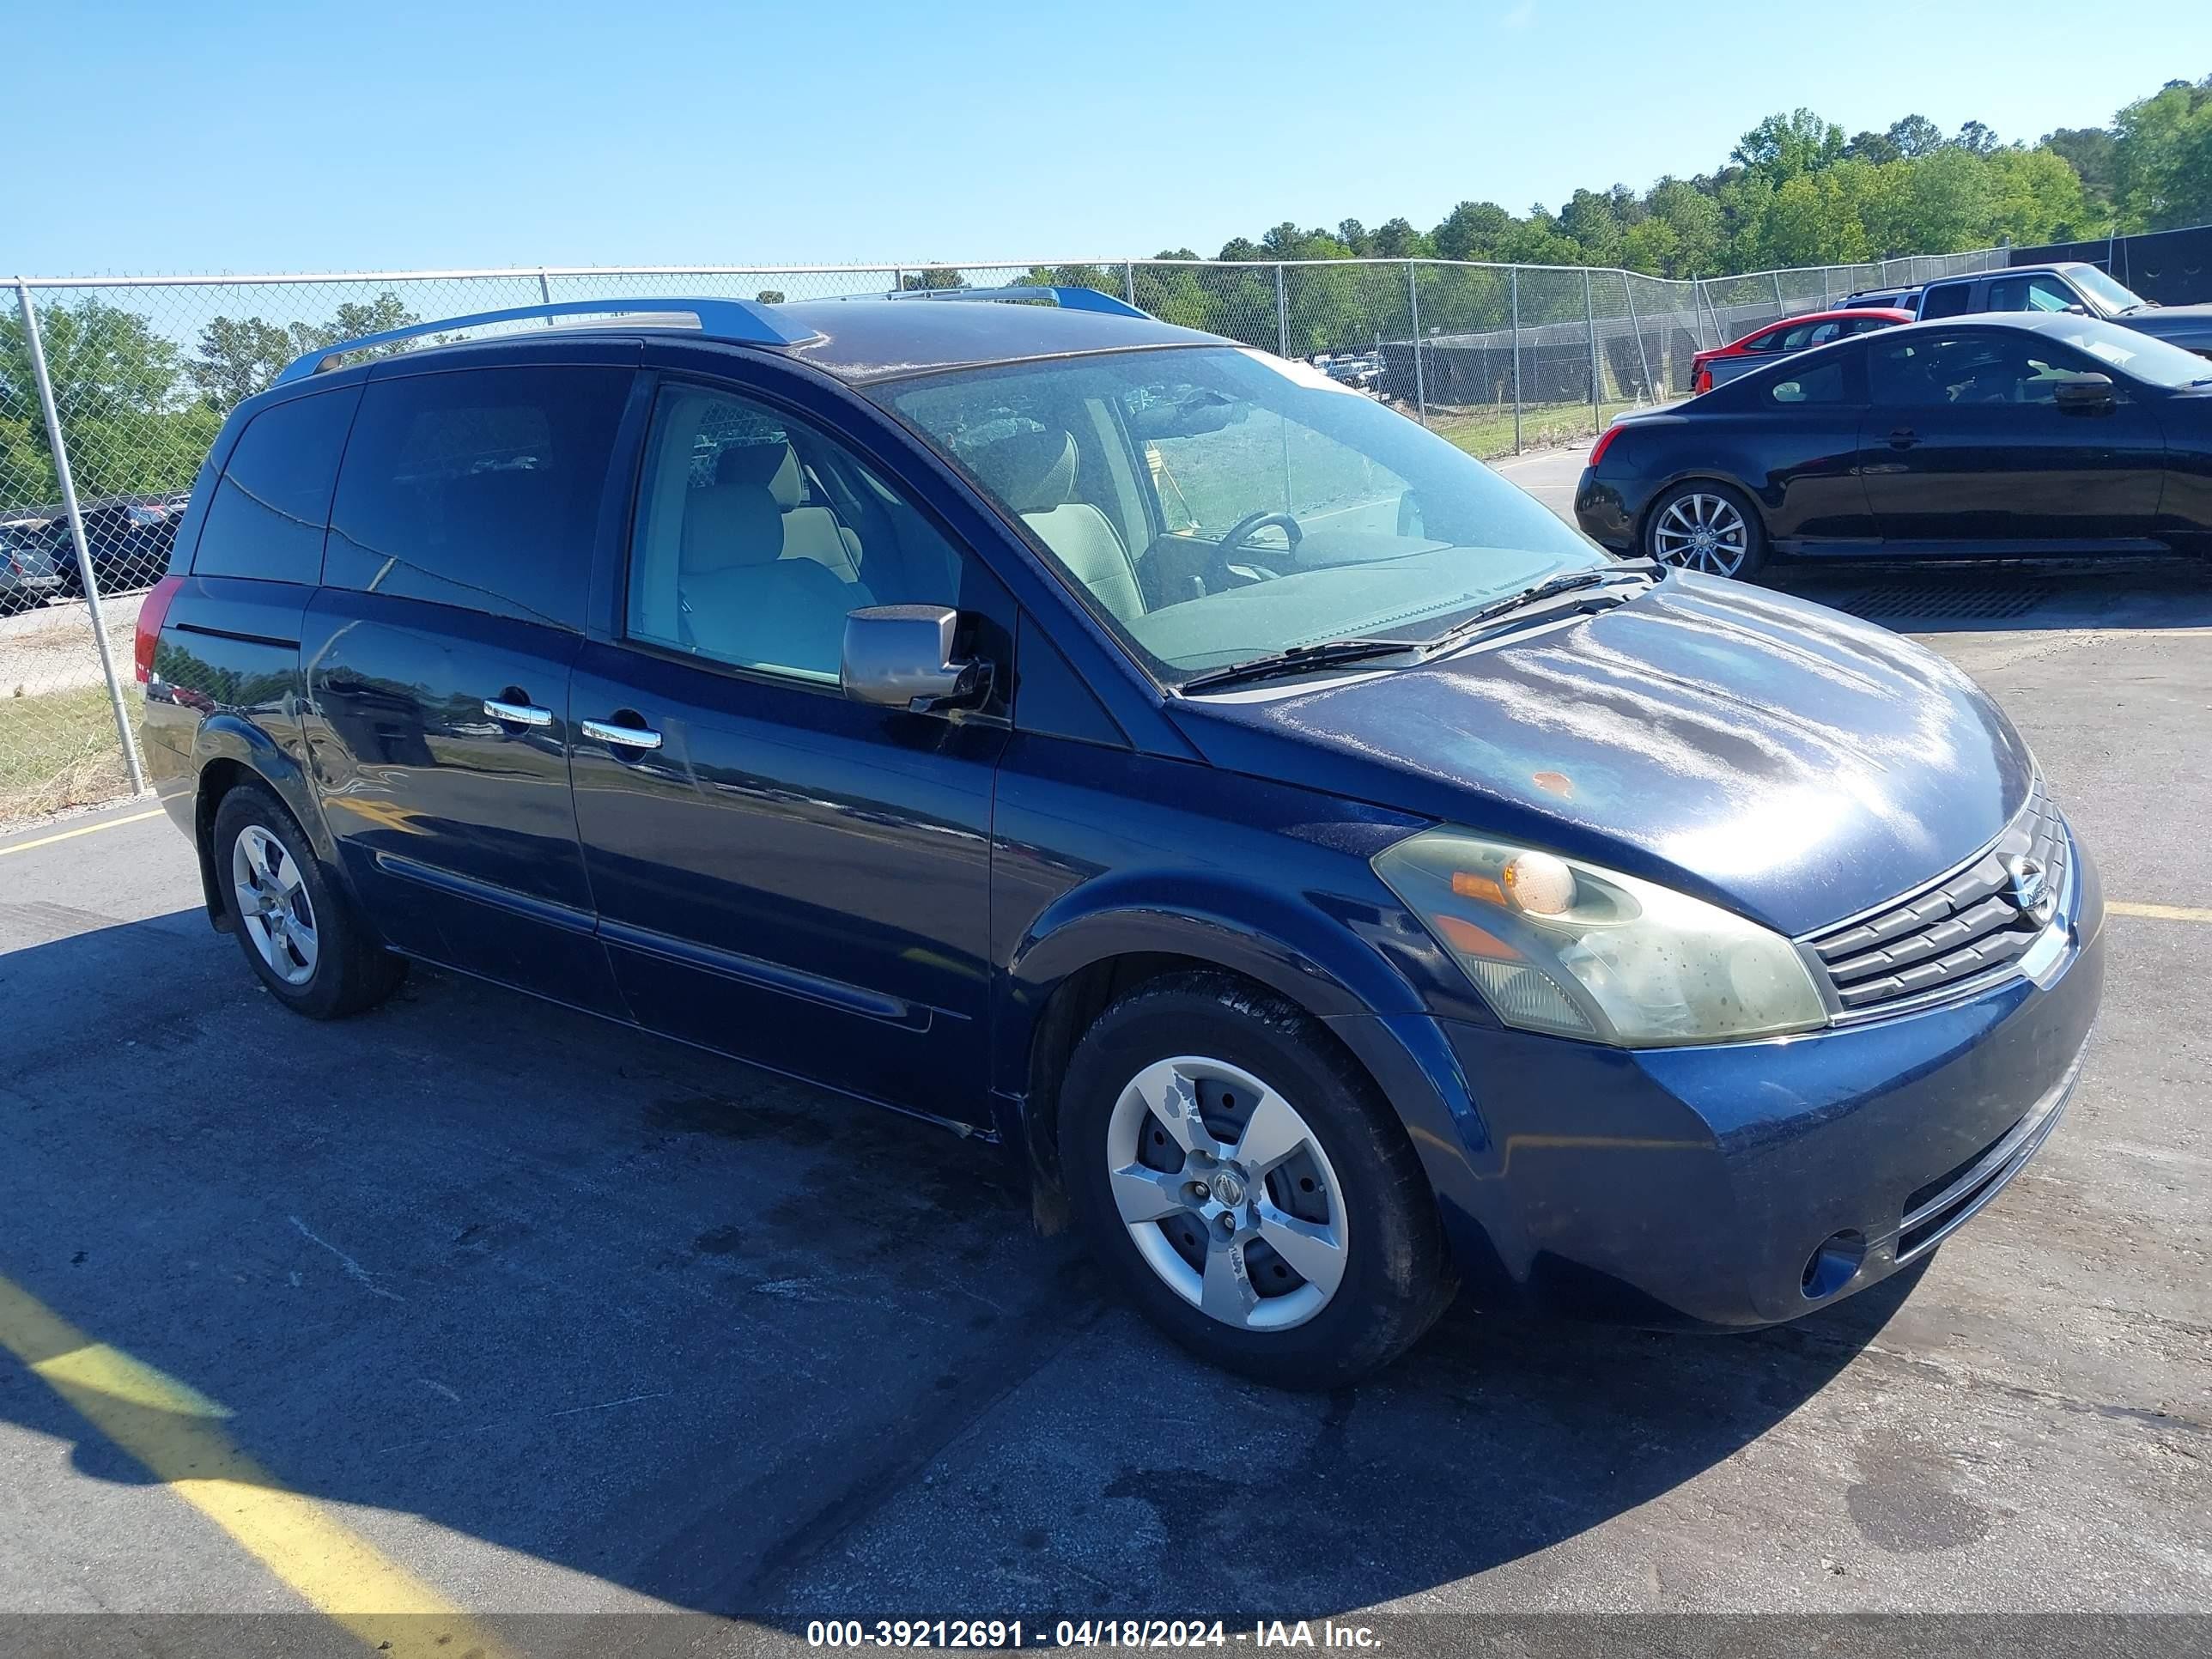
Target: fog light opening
(1834, 1265)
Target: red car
(1723, 364)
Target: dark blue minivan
(1331, 879)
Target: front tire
(1244, 1181)
(298, 932)
(1707, 527)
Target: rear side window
(267, 516)
(1952, 300)
(479, 488)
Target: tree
(1976, 139)
(119, 388)
(1784, 146)
(238, 357)
(2162, 158)
(931, 278)
(1396, 239)
(1592, 221)
(770, 296)
(2089, 151)
(1470, 231)
(1694, 216)
(1914, 136)
(1873, 147)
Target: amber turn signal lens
(1468, 884)
(1465, 936)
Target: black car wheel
(299, 935)
(1244, 1181)
(1707, 527)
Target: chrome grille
(1964, 929)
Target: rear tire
(300, 934)
(1247, 1185)
(1711, 528)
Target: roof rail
(742, 320)
(1068, 297)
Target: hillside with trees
(1796, 191)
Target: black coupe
(2005, 436)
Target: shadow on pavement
(736, 1345)
(1999, 595)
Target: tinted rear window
(267, 516)
(479, 488)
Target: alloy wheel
(1226, 1193)
(272, 904)
(1701, 532)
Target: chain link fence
(112, 391)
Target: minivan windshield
(1216, 505)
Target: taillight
(1701, 382)
(153, 611)
(1604, 442)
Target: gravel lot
(559, 1319)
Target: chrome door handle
(1904, 438)
(517, 713)
(629, 737)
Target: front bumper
(1697, 1186)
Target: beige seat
(744, 599)
(1034, 473)
(808, 532)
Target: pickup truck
(2074, 286)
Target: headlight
(1558, 945)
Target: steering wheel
(1250, 524)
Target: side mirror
(900, 656)
(2085, 394)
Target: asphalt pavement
(477, 1302)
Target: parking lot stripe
(82, 829)
(2158, 911)
(174, 1430)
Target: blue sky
(209, 137)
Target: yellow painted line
(84, 830)
(176, 1432)
(2158, 911)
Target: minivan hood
(1791, 762)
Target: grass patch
(1486, 434)
(59, 750)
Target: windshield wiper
(1550, 587)
(1297, 659)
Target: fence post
(1589, 319)
(1778, 304)
(545, 293)
(60, 450)
(1282, 314)
(1517, 360)
(1824, 288)
(1628, 288)
(1129, 281)
(898, 279)
(1414, 305)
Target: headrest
(727, 525)
(1029, 472)
(772, 466)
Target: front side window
(755, 535)
(478, 488)
(1216, 505)
(2038, 293)
(266, 518)
(1967, 370)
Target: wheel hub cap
(1227, 1194)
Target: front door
(437, 656)
(1965, 448)
(782, 874)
